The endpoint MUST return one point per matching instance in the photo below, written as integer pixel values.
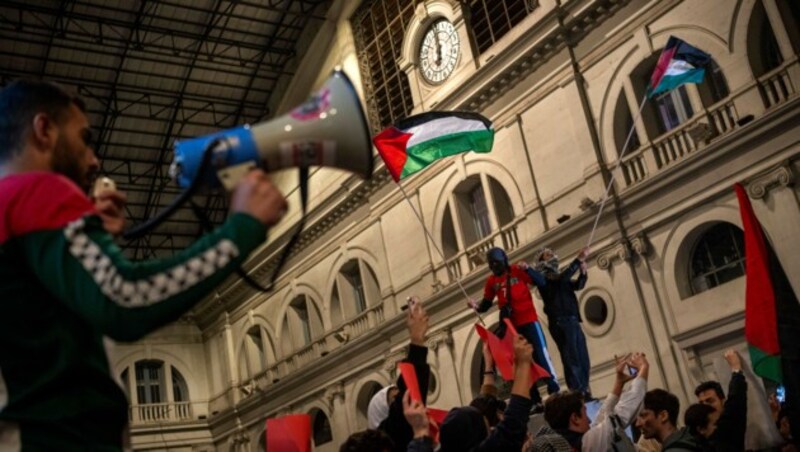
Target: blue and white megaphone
(329, 129)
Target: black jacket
(558, 293)
(509, 435)
(732, 423)
(395, 425)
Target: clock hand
(438, 47)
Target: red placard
(290, 433)
(410, 377)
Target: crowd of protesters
(629, 418)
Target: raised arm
(77, 261)
(619, 408)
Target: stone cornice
(760, 185)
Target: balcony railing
(158, 413)
(464, 262)
(776, 85)
(332, 340)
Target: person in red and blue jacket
(509, 284)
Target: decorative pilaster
(780, 176)
(333, 393)
(620, 251)
(440, 337)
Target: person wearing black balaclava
(563, 315)
(509, 283)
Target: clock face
(439, 52)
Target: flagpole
(436, 247)
(619, 162)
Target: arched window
(321, 427)
(714, 87)
(478, 203)
(623, 123)
(717, 257)
(302, 323)
(180, 392)
(151, 385)
(762, 47)
(362, 402)
(256, 352)
(355, 290)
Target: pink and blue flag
(679, 63)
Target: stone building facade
(563, 82)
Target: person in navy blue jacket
(563, 315)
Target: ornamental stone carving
(438, 338)
(782, 176)
(640, 245)
(620, 251)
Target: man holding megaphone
(64, 285)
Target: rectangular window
(480, 212)
(674, 108)
(149, 385)
(379, 27)
(490, 20)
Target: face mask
(550, 265)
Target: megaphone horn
(329, 129)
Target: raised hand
(415, 414)
(417, 323)
(734, 360)
(639, 361)
(110, 206)
(621, 368)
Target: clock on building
(439, 51)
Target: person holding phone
(569, 427)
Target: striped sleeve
(83, 268)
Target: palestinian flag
(679, 63)
(772, 312)
(417, 141)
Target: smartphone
(780, 394)
(632, 371)
(410, 301)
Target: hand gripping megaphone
(329, 129)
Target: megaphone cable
(142, 229)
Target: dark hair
(659, 400)
(489, 405)
(368, 441)
(560, 407)
(696, 417)
(21, 101)
(706, 385)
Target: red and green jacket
(64, 285)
